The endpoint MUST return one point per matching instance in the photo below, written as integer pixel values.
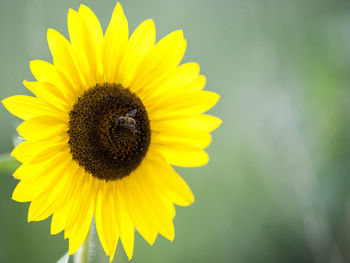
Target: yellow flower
(109, 118)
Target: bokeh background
(278, 183)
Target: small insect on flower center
(109, 131)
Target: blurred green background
(277, 186)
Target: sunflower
(108, 119)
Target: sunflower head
(108, 118)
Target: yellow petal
(82, 189)
(25, 170)
(46, 72)
(95, 30)
(114, 44)
(64, 205)
(22, 152)
(153, 212)
(109, 219)
(105, 219)
(141, 224)
(167, 180)
(26, 107)
(30, 171)
(82, 43)
(73, 207)
(83, 217)
(82, 228)
(64, 59)
(50, 95)
(184, 155)
(183, 149)
(184, 74)
(190, 126)
(159, 62)
(186, 104)
(77, 180)
(98, 215)
(162, 207)
(43, 206)
(43, 180)
(159, 196)
(201, 141)
(49, 152)
(42, 127)
(124, 221)
(57, 222)
(196, 85)
(39, 150)
(140, 43)
(39, 209)
(175, 83)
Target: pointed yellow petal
(124, 221)
(80, 232)
(63, 206)
(167, 180)
(92, 23)
(141, 224)
(42, 207)
(75, 182)
(104, 218)
(158, 194)
(30, 171)
(57, 222)
(175, 83)
(23, 152)
(82, 189)
(109, 218)
(140, 43)
(42, 127)
(185, 104)
(184, 74)
(184, 156)
(43, 180)
(98, 215)
(196, 85)
(201, 141)
(82, 219)
(26, 107)
(49, 151)
(159, 62)
(38, 210)
(190, 125)
(26, 170)
(46, 72)
(114, 44)
(152, 211)
(64, 59)
(94, 29)
(82, 43)
(50, 95)
(158, 208)
(72, 207)
(39, 150)
(182, 152)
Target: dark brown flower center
(109, 131)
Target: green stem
(86, 247)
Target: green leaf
(7, 163)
